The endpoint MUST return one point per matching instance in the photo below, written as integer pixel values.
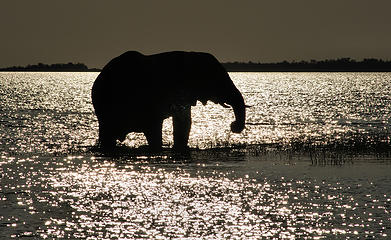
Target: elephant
(136, 92)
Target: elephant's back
(133, 79)
(123, 67)
(120, 75)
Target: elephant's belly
(141, 121)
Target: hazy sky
(94, 31)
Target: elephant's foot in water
(107, 139)
(181, 120)
(108, 136)
(154, 135)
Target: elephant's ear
(204, 77)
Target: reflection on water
(46, 112)
(54, 185)
(320, 107)
(232, 197)
(52, 112)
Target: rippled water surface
(313, 162)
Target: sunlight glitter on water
(52, 112)
(53, 183)
(101, 198)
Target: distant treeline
(58, 67)
(338, 65)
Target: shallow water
(52, 112)
(55, 185)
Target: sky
(95, 31)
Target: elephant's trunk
(237, 102)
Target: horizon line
(311, 61)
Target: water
(313, 162)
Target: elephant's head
(213, 83)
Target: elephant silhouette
(136, 92)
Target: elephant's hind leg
(107, 139)
(154, 135)
(181, 123)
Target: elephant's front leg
(181, 123)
